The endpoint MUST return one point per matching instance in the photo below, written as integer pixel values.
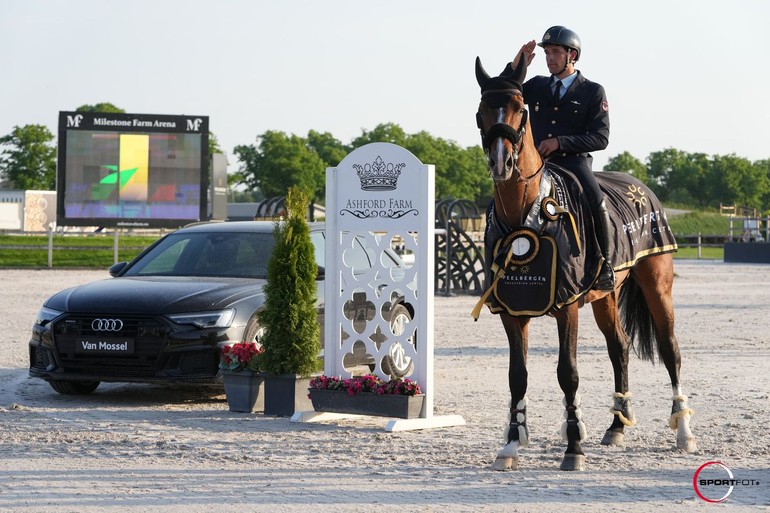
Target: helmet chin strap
(567, 61)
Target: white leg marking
(508, 457)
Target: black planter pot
(244, 391)
(367, 403)
(286, 394)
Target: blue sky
(690, 75)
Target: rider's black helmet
(563, 36)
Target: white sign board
(379, 306)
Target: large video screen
(131, 170)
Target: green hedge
(97, 251)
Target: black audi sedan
(164, 316)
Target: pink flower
(368, 383)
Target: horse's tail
(637, 319)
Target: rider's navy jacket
(580, 119)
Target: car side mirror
(116, 269)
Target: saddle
(554, 258)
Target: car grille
(148, 333)
(40, 358)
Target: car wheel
(73, 387)
(253, 332)
(396, 364)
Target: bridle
(505, 131)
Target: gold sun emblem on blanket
(636, 196)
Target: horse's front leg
(573, 429)
(516, 434)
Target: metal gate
(459, 246)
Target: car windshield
(236, 255)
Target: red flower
(238, 356)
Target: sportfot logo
(714, 482)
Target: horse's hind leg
(608, 320)
(655, 277)
(517, 435)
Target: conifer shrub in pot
(291, 341)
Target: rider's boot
(606, 280)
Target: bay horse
(640, 307)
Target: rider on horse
(570, 117)
(535, 224)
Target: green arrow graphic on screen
(106, 185)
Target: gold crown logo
(378, 176)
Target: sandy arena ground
(137, 448)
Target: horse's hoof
(616, 438)
(573, 462)
(687, 445)
(505, 463)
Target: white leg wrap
(679, 411)
(523, 436)
(680, 422)
(521, 419)
(578, 416)
(621, 403)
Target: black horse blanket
(554, 258)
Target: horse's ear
(482, 77)
(520, 73)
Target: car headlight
(46, 315)
(215, 319)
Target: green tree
(249, 158)
(100, 107)
(28, 159)
(763, 167)
(292, 334)
(329, 149)
(384, 132)
(280, 161)
(460, 173)
(214, 145)
(627, 163)
(689, 180)
(742, 182)
(660, 164)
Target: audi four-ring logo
(107, 325)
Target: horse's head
(503, 121)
